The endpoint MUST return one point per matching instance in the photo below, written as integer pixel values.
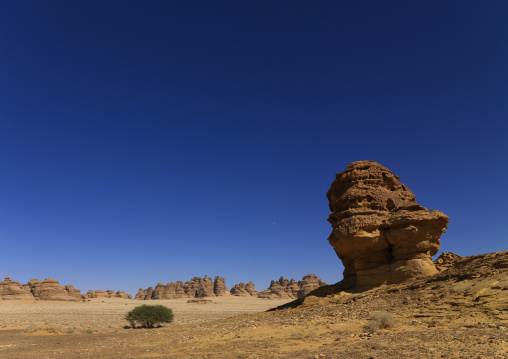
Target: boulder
(380, 233)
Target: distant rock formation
(105, 294)
(309, 283)
(380, 233)
(290, 289)
(244, 290)
(219, 286)
(195, 288)
(48, 289)
(12, 290)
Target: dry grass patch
(381, 320)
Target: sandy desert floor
(102, 315)
(233, 327)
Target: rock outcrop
(12, 290)
(309, 283)
(219, 286)
(244, 290)
(195, 288)
(144, 294)
(91, 294)
(290, 289)
(380, 233)
(50, 289)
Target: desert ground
(235, 327)
(460, 312)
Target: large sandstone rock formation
(380, 233)
(91, 294)
(244, 290)
(48, 289)
(195, 288)
(12, 290)
(289, 288)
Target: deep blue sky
(145, 142)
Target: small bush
(149, 315)
(31, 329)
(381, 320)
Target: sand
(108, 314)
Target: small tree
(150, 315)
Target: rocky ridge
(48, 289)
(205, 287)
(195, 288)
(105, 294)
(289, 288)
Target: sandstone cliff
(289, 288)
(48, 289)
(12, 290)
(195, 288)
(244, 290)
(105, 294)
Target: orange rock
(380, 232)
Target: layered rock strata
(291, 289)
(12, 290)
(195, 288)
(244, 290)
(48, 289)
(380, 233)
(91, 294)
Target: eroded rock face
(195, 288)
(12, 290)
(219, 286)
(49, 289)
(91, 294)
(289, 288)
(308, 284)
(244, 290)
(380, 233)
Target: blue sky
(146, 142)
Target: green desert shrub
(381, 320)
(149, 315)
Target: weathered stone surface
(73, 292)
(309, 283)
(285, 288)
(199, 287)
(195, 288)
(12, 290)
(91, 294)
(144, 294)
(447, 260)
(380, 233)
(244, 290)
(219, 286)
(51, 290)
